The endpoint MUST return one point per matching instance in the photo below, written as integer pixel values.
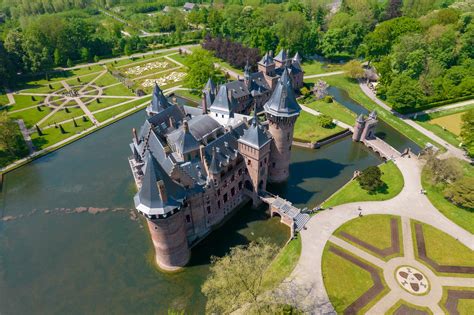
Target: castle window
(232, 191)
(249, 162)
(219, 204)
(288, 136)
(188, 218)
(218, 192)
(225, 198)
(232, 178)
(208, 209)
(240, 172)
(265, 160)
(273, 164)
(240, 185)
(260, 163)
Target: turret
(208, 95)
(281, 111)
(281, 59)
(255, 146)
(158, 103)
(358, 128)
(247, 74)
(370, 126)
(160, 199)
(266, 65)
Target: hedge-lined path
(409, 204)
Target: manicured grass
(106, 80)
(87, 70)
(83, 80)
(344, 281)
(44, 89)
(462, 217)
(138, 60)
(189, 95)
(354, 91)
(283, 264)
(373, 229)
(106, 114)
(24, 101)
(335, 110)
(444, 249)
(62, 115)
(352, 192)
(54, 135)
(307, 129)
(31, 116)
(3, 99)
(392, 310)
(316, 67)
(105, 102)
(118, 90)
(465, 306)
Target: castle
(364, 128)
(194, 166)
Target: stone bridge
(382, 148)
(289, 214)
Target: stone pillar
(169, 240)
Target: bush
(325, 121)
(328, 99)
(461, 193)
(305, 92)
(371, 179)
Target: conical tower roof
(255, 136)
(283, 102)
(210, 86)
(222, 104)
(297, 57)
(148, 199)
(266, 60)
(214, 167)
(282, 56)
(159, 101)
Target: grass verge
(307, 128)
(395, 307)
(352, 192)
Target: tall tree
(201, 68)
(467, 131)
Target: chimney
(171, 120)
(162, 190)
(134, 134)
(203, 158)
(185, 126)
(204, 103)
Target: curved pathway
(409, 204)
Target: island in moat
(194, 166)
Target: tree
(467, 131)
(325, 121)
(370, 179)
(235, 280)
(11, 140)
(69, 63)
(201, 68)
(354, 69)
(57, 58)
(461, 193)
(444, 170)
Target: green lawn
(462, 217)
(465, 306)
(352, 192)
(106, 114)
(444, 249)
(139, 60)
(44, 89)
(335, 110)
(344, 281)
(62, 115)
(3, 98)
(105, 102)
(307, 129)
(373, 229)
(54, 135)
(118, 90)
(83, 80)
(392, 310)
(282, 266)
(354, 91)
(31, 116)
(106, 80)
(24, 101)
(316, 67)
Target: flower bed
(138, 70)
(170, 78)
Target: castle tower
(247, 74)
(358, 128)
(255, 146)
(370, 125)
(281, 111)
(208, 95)
(281, 59)
(266, 65)
(160, 199)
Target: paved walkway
(11, 99)
(452, 150)
(441, 108)
(26, 136)
(320, 75)
(408, 204)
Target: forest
(422, 49)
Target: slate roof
(148, 199)
(237, 89)
(159, 101)
(255, 136)
(203, 125)
(185, 141)
(266, 60)
(282, 56)
(297, 57)
(214, 167)
(283, 102)
(222, 104)
(258, 82)
(360, 118)
(373, 115)
(210, 86)
(161, 121)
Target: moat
(61, 262)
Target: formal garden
(367, 260)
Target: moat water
(54, 260)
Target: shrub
(328, 99)
(325, 121)
(461, 193)
(370, 179)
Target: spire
(360, 119)
(222, 104)
(373, 114)
(297, 57)
(282, 56)
(255, 136)
(214, 166)
(266, 59)
(283, 102)
(159, 102)
(210, 86)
